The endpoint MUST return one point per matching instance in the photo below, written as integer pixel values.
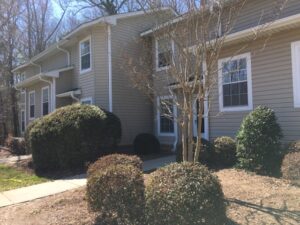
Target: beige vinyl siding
(55, 62)
(133, 108)
(272, 87)
(256, 12)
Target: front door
(204, 128)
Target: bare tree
(189, 47)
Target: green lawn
(11, 178)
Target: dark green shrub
(16, 145)
(146, 144)
(115, 159)
(184, 194)
(290, 167)
(258, 141)
(225, 151)
(118, 190)
(27, 135)
(206, 152)
(72, 136)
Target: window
(296, 72)
(45, 101)
(85, 55)
(235, 83)
(87, 101)
(22, 121)
(164, 52)
(166, 115)
(32, 105)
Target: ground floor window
(22, 121)
(166, 115)
(45, 101)
(86, 101)
(32, 105)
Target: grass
(12, 178)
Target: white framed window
(85, 53)
(23, 125)
(32, 105)
(45, 101)
(86, 101)
(166, 113)
(296, 72)
(235, 83)
(164, 49)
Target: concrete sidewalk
(30, 193)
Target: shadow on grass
(280, 215)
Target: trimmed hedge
(206, 152)
(72, 136)
(184, 194)
(258, 141)
(145, 144)
(225, 151)
(114, 159)
(290, 167)
(118, 191)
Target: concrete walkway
(30, 193)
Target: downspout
(65, 51)
(73, 96)
(109, 68)
(176, 132)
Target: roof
(112, 20)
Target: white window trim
(249, 84)
(87, 99)
(31, 92)
(23, 111)
(89, 69)
(296, 73)
(157, 68)
(42, 98)
(158, 118)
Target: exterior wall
(272, 86)
(129, 104)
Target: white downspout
(73, 96)
(109, 68)
(65, 51)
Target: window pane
(45, 108)
(31, 98)
(164, 59)
(227, 100)
(243, 64)
(45, 95)
(31, 111)
(85, 47)
(166, 117)
(85, 62)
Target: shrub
(115, 159)
(184, 194)
(225, 151)
(294, 147)
(290, 168)
(16, 145)
(146, 144)
(258, 141)
(27, 135)
(117, 190)
(206, 152)
(72, 136)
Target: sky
(56, 8)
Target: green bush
(258, 141)
(184, 194)
(146, 144)
(114, 159)
(290, 167)
(27, 135)
(206, 152)
(225, 151)
(118, 190)
(72, 136)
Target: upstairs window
(32, 105)
(45, 101)
(85, 55)
(164, 52)
(235, 83)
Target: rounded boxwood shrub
(146, 144)
(225, 151)
(290, 167)
(72, 136)
(206, 152)
(27, 135)
(118, 191)
(114, 159)
(184, 194)
(258, 141)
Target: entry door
(204, 128)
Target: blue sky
(56, 8)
